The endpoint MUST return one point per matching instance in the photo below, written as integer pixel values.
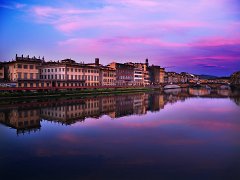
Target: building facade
(1, 72)
(107, 76)
(124, 73)
(156, 75)
(24, 71)
(36, 72)
(68, 73)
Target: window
(59, 69)
(31, 84)
(75, 77)
(19, 66)
(25, 84)
(19, 75)
(48, 70)
(25, 75)
(52, 70)
(31, 75)
(31, 66)
(25, 66)
(55, 76)
(75, 70)
(72, 77)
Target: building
(156, 74)
(235, 78)
(162, 74)
(107, 76)
(138, 73)
(188, 78)
(68, 73)
(172, 78)
(1, 71)
(24, 71)
(141, 73)
(124, 73)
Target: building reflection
(27, 118)
(23, 120)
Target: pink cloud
(46, 11)
(216, 41)
(124, 42)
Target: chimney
(22, 56)
(146, 62)
(97, 61)
(28, 57)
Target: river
(176, 134)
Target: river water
(176, 134)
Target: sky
(195, 36)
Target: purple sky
(197, 36)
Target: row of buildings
(36, 72)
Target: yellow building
(24, 71)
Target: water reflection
(27, 117)
(186, 134)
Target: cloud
(12, 5)
(216, 41)
(195, 33)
